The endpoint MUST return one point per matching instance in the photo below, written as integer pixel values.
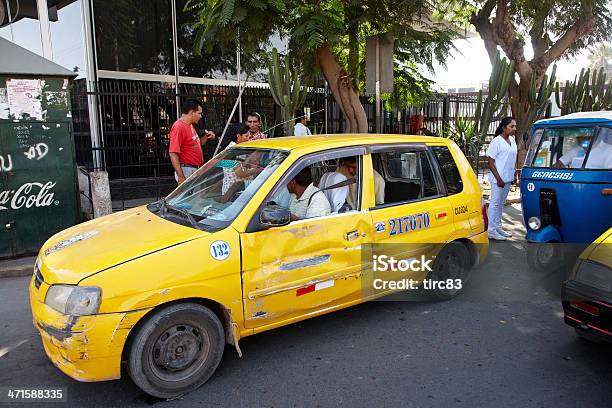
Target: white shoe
(503, 233)
(496, 236)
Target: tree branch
(582, 28)
(481, 21)
(539, 40)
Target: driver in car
(600, 156)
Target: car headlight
(74, 300)
(534, 223)
(594, 274)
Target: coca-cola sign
(27, 196)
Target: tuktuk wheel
(544, 257)
(176, 350)
(452, 264)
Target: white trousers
(496, 206)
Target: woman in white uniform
(502, 161)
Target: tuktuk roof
(17, 60)
(579, 118)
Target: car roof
(602, 117)
(323, 142)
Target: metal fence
(136, 116)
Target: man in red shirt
(185, 144)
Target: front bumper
(597, 321)
(86, 348)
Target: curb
(513, 201)
(17, 267)
(15, 273)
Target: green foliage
(541, 21)
(585, 93)
(501, 74)
(470, 133)
(463, 132)
(286, 88)
(342, 24)
(601, 57)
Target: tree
(601, 57)
(326, 36)
(555, 28)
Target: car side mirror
(274, 216)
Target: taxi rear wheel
(176, 350)
(450, 267)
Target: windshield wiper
(164, 207)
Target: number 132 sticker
(219, 250)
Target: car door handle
(351, 235)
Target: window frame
(596, 131)
(305, 161)
(433, 167)
(441, 176)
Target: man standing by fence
(254, 123)
(185, 144)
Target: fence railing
(135, 119)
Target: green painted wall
(39, 194)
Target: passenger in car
(304, 201)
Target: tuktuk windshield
(571, 148)
(213, 196)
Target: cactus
(498, 86)
(286, 89)
(585, 93)
(538, 101)
(469, 133)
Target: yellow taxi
(587, 293)
(266, 234)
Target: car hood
(601, 249)
(91, 247)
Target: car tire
(452, 262)
(544, 257)
(176, 350)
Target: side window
(404, 176)
(450, 172)
(324, 187)
(600, 156)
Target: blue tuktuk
(566, 183)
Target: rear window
(452, 178)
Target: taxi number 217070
(403, 225)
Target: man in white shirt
(306, 200)
(300, 128)
(347, 169)
(600, 156)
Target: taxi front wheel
(176, 350)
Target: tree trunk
(342, 89)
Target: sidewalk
(17, 267)
(514, 196)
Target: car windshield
(213, 196)
(561, 147)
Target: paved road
(501, 343)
